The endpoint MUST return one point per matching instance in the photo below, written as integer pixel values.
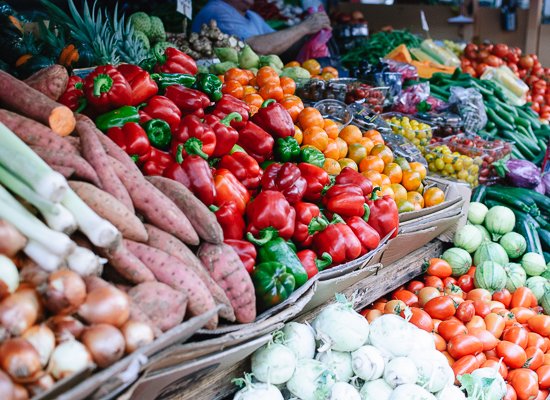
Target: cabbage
(477, 212)
(468, 238)
(450, 392)
(483, 384)
(376, 390)
(400, 371)
(459, 260)
(273, 363)
(311, 380)
(538, 286)
(411, 392)
(338, 362)
(367, 363)
(433, 370)
(300, 338)
(533, 264)
(343, 391)
(514, 244)
(499, 220)
(489, 251)
(515, 276)
(486, 236)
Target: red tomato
(407, 297)
(517, 335)
(509, 318)
(463, 345)
(536, 340)
(543, 374)
(488, 340)
(415, 286)
(439, 267)
(441, 307)
(495, 305)
(521, 297)
(440, 343)
(449, 329)
(449, 281)
(394, 307)
(500, 50)
(468, 69)
(465, 365)
(472, 271)
(454, 290)
(504, 296)
(466, 283)
(426, 294)
(481, 68)
(434, 281)
(493, 61)
(476, 323)
(535, 358)
(483, 308)
(479, 294)
(525, 383)
(543, 395)
(510, 393)
(523, 314)
(371, 315)
(492, 354)
(540, 324)
(421, 319)
(514, 356)
(526, 62)
(495, 324)
(502, 369)
(465, 311)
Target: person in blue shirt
(234, 17)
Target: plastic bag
(409, 98)
(316, 46)
(407, 71)
(469, 105)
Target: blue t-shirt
(230, 21)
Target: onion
(65, 327)
(9, 276)
(106, 305)
(136, 334)
(68, 358)
(20, 360)
(43, 340)
(65, 292)
(105, 343)
(6, 386)
(42, 385)
(11, 240)
(20, 393)
(32, 273)
(19, 311)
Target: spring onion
(84, 262)
(42, 256)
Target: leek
(42, 256)
(84, 262)
(16, 156)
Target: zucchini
(513, 197)
(504, 115)
(525, 228)
(509, 200)
(544, 237)
(478, 194)
(546, 256)
(541, 200)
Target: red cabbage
(519, 173)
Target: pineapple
(130, 47)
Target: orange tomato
(347, 162)
(385, 180)
(271, 91)
(420, 168)
(342, 147)
(267, 75)
(369, 144)
(330, 70)
(433, 196)
(250, 75)
(394, 172)
(331, 128)
(313, 66)
(316, 137)
(374, 135)
(253, 99)
(386, 190)
(221, 78)
(332, 150)
(310, 117)
(417, 200)
(351, 134)
(327, 76)
(294, 106)
(288, 85)
(399, 191)
(298, 134)
(292, 64)
(331, 166)
(373, 176)
(357, 152)
(234, 88)
(372, 163)
(237, 74)
(383, 152)
(411, 180)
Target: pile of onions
(43, 340)
(105, 343)
(20, 360)
(65, 327)
(68, 358)
(6, 386)
(136, 334)
(20, 311)
(106, 305)
(41, 385)
(65, 292)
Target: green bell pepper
(117, 118)
(274, 283)
(287, 149)
(266, 164)
(274, 248)
(236, 149)
(164, 80)
(209, 84)
(312, 156)
(159, 134)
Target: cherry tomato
(502, 369)
(450, 328)
(440, 343)
(426, 294)
(504, 296)
(439, 267)
(479, 294)
(465, 311)
(482, 308)
(540, 324)
(525, 383)
(523, 314)
(514, 356)
(371, 315)
(415, 286)
(495, 324)
(510, 393)
(394, 307)
(463, 345)
(543, 374)
(407, 297)
(476, 323)
(517, 335)
(441, 307)
(521, 297)
(486, 338)
(420, 318)
(535, 358)
(536, 340)
(465, 365)
(466, 283)
(434, 281)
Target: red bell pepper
(226, 135)
(73, 97)
(245, 168)
(246, 252)
(317, 181)
(256, 142)
(194, 137)
(367, 235)
(230, 219)
(187, 100)
(201, 181)
(229, 189)
(274, 119)
(174, 61)
(384, 216)
(143, 86)
(161, 107)
(312, 264)
(346, 200)
(271, 209)
(175, 172)
(132, 139)
(229, 104)
(308, 221)
(349, 175)
(157, 162)
(285, 178)
(339, 241)
(106, 89)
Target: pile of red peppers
(287, 221)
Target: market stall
(179, 210)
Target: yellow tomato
(342, 147)
(332, 150)
(348, 162)
(420, 168)
(383, 152)
(399, 191)
(433, 196)
(351, 134)
(373, 176)
(417, 199)
(386, 190)
(394, 172)
(372, 163)
(357, 152)
(331, 166)
(411, 180)
(369, 144)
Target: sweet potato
(127, 264)
(227, 269)
(51, 81)
(117, 153)
(164, 306)
(203, 220)
(73, 141)
(81, 167)
(175, 247)
(21, 98)
(34, 133)
(106, 206)
(94, 153)
(67, 172)
(170, 270)
(155, 206)
(11, 240)
(137, 314)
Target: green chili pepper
(159, 134)
(209, 84)
(287, 149)
(164, 80)
(117, 118)
(273, 282)
(313, 156)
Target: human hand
(315, 22)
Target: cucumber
(478, 194)
(544, 237)
(528, 230)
